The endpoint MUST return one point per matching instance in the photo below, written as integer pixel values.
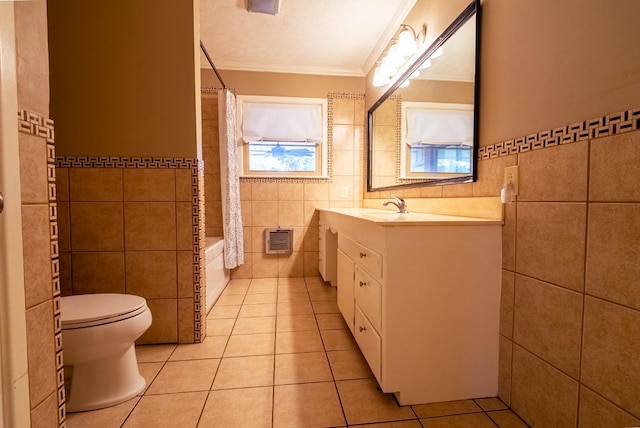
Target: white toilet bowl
(98, 335)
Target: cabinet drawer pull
(361, 329)
(363, 283)
(363, 255)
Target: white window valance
(282, 122)
(442, 127)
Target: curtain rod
(211, 63)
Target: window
(441, 150)
(283, 137)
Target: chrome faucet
(398, 202)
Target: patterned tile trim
(199, 263)
(40, 126)
(36, 124)
(197, 194)
(604, 126)
(125, 162)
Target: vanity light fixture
(397, 54)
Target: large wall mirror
(423, 130)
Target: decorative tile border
(616, 123)
(36, 124)
(126, 162)
(197, 199)
(40, 126)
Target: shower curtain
(230, 181)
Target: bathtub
(217, 275)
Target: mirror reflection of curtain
(230, 181)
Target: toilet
(98, 335)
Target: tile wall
(41, 269)
(570, 322)
(289, 203)
(39, 217)
(135, 226)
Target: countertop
(392, 218)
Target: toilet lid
(85, 310)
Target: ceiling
(328, 37)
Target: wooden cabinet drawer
(369, 259)
(347, 245)
(368, 293)
(369, 342)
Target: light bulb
(415, 74)
(437, 53)
(404, 84)
(425, 64)
(407, 45)
(380, 78)
(393, 58)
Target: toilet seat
(90, 310)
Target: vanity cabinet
(422, 300)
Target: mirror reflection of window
(437, 139)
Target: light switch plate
(511, 176)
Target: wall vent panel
(278, 241)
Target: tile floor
(277, 354)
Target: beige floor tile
(259, 310)
(211, 347)
(234, 289)
(184, 376)
(262, 288)
(295, 282)
(110, 417)
(338, 340)
(230, 300)
(331, 322)
(242, 345)
(313, 286)
(399, 424)
(220, 327)
(472, 420)
(295, 308)
(298, 341)
(149, 371)
(507, 419)
(363, 402)
(302, 368)
(492, 403)
(245, 407)
(292, 288)
(326, 295)
(289, 297)
(447, 408)
(168, 410)
(325, 307)
(286, 323)
(307, 405)
(153, 353)
(244, 372)
(221, 312)
(264, 282)
(255, 325)
(349, 364)
(254, 299)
